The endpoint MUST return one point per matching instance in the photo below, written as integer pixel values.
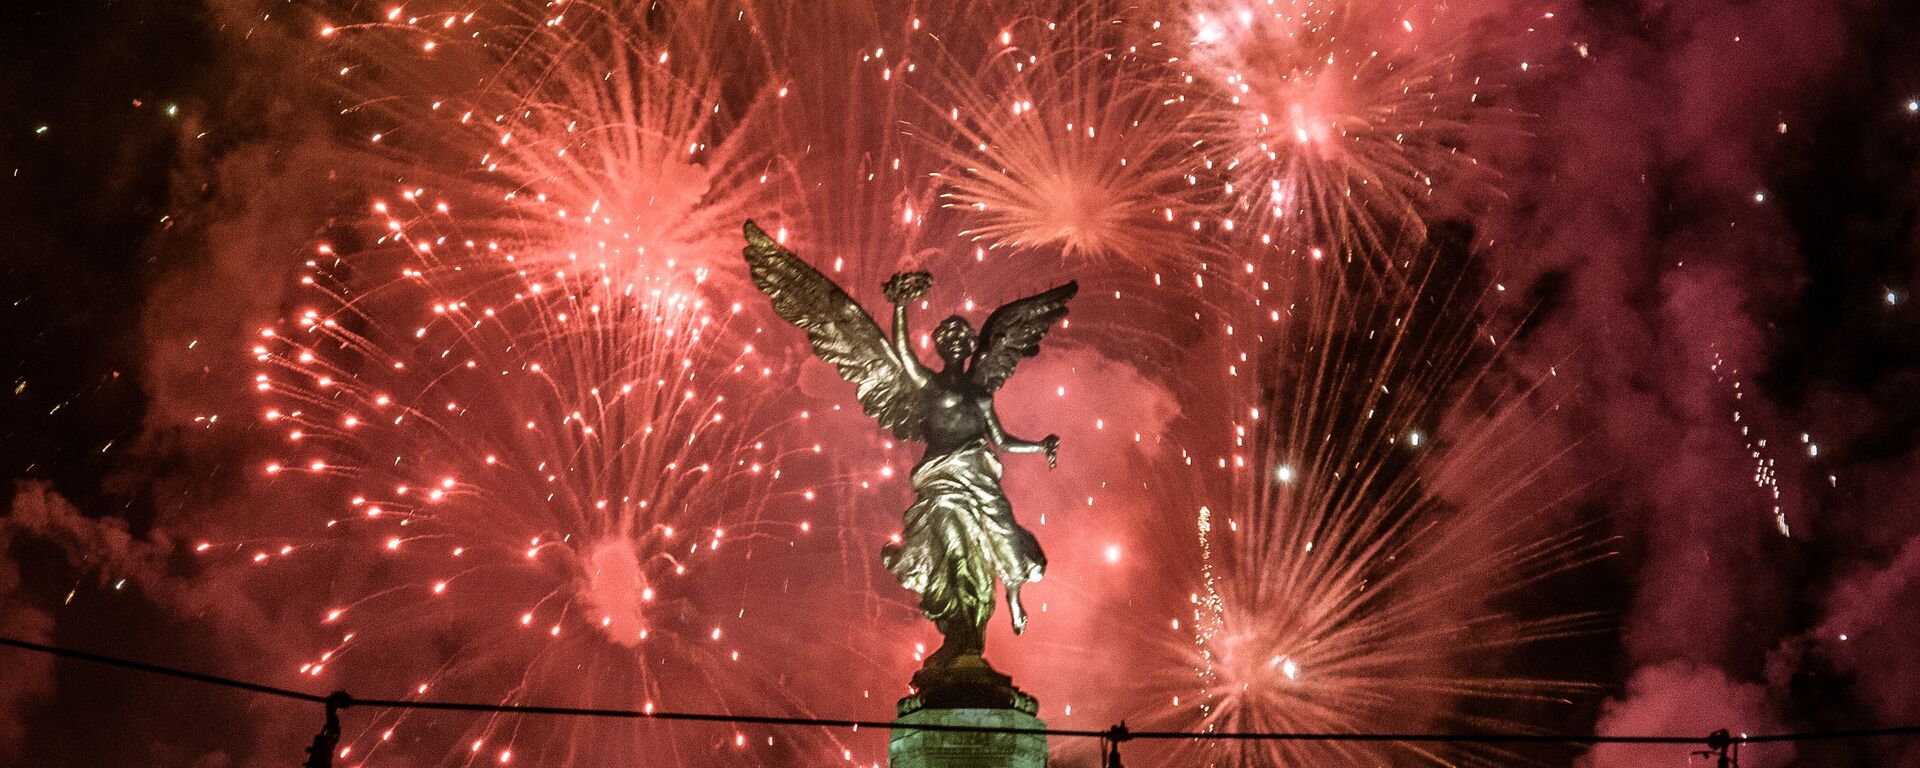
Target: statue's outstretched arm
(1049, 444)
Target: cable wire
(1113, 736)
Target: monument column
(912, 748)
(967, 692)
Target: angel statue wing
(841, 333)
(1013, 333)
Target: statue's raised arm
(887, 376)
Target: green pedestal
(913, 748)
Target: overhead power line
(1721, 744)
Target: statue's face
(954, 338)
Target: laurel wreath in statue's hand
(907, 286)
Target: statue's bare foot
(1015, 611)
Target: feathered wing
(841, 332)
(1013, 333)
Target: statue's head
(955, 339)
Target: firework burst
(541, 430)
(1360, 571)
(1334, 123)
(539, 462)
(617, 134)
(1072, 137)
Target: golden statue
(960, 534)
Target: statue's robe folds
(959, 535)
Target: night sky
(1698, 209)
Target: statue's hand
(907, 286)
(1051, 444)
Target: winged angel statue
(960, 534)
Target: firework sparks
(605, 135)
(545, 460)
(542, 425)
(523, 374)
(1073, 137)
(853, 186)
(1332, 121)
(404, 348)
(1358, 572)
